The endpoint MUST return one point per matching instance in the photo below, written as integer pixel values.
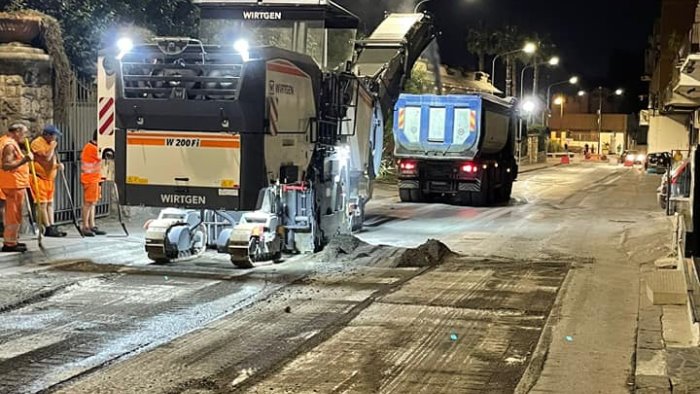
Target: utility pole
(509, 77)
(600, 118)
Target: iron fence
(80, 123)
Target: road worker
(2, 195)
(90, 177)
(47, 166)
(14, 180)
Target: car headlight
(630, 157)
(641, 157)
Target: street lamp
(618, 92)
(573, 81)
(415, 10)
(581, 93)
(560, 102)
(553, 61)
(527, 106)
(529, 48)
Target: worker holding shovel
(90, 178)
(47, 166)
(14, 180)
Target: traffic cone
(565, 159)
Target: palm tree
(545, 50)
(506, 39)
(481, 42)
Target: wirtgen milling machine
(275, 111)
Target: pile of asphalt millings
(429, 254)
(341, 247)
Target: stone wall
(26, 92)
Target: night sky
(603, 41)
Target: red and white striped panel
(274, 116)
(105, 116)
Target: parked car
(632, 157)
(680, 183)
(657, 163)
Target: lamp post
(529, 48)
(560, 102)
(526, 106)
(573, 81)
(618, 92)
(415, 10)
(553, 61)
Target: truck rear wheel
(464, 198)
(410, 195)
(405, 195)
(484, 196)
(480, 198)
(505, 191)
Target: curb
(532, 372)
(539, 168)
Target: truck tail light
(469, 168)
(408, 166)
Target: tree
(481, 42)
(507, 39)
(89, 24)
(545, 50)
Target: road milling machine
(263, 136)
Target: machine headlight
(243, 48)
(125, 45)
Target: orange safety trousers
(14, 199)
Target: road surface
(540, 294)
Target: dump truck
(458, 146)
(260, 137)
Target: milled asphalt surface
(476, 322)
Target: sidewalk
(668, 335)
(74, 247)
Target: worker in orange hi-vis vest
(47, 165)
(90, 177)
(2, 195)
(14, 180)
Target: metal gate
(81, 121)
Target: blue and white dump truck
(456, 146)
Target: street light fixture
(553, 61)
(529, 48)
(415, 10)
(618, 92)
(560, 102)
(573, 81)
(581, 93)
(529, 105)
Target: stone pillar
(26, 92)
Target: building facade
(674, 82)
